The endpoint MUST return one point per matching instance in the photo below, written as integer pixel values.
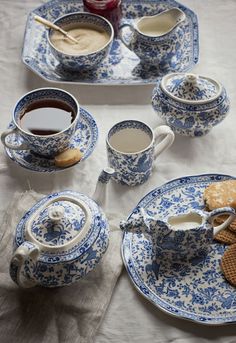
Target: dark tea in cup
(45, 121)
(47, 117)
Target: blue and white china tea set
(168, 246)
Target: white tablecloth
(130, 317)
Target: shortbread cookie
(220, 194)
(68, 158)
(228, 264)
(226, 236)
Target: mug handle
(166, 142)
(221, 211)
(125, 42)
(22, 146)
(23, 252)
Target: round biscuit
(220, 194)
(228, 264)
(68, 157)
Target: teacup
(155, 38)
(184, 236)
(76, 59)
(47, 138)
(132, 147)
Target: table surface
(130, 317)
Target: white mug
(132, 147)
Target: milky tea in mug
(132, 148)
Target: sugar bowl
(190, 104)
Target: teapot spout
(99, 196)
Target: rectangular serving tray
(122, 66)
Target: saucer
(85, 138)
(195, 290)
(122, 66)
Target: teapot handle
(124, 41)
(25, 251)
(219, 212)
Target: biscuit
(228, 264)
(226, 236)
(219, 220)
(68, 157)
(220, 194)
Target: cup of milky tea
(45, 120)
(93, 33)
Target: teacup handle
(22, 146)
(221, 211)
(125, 42)
(167, 140)
(23, 252)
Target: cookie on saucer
(68, 157)
(220, 194)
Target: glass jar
(109, 9)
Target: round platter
(195, 291)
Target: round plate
(196, 291)
(85, 138)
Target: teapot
(155, 38)
(183, 236)
(190, 104)
(61, 238)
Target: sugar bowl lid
(59, 224)
(190, 88)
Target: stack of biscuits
(217, 195)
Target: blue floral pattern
(190, 119)
(63, 267)
(121, 66)
(46, 145)
(134, 168)
(83, 62)
(85, 138)
(50, 233)
(201, 89)
(154, 50)
(198, 290)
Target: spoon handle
(54, 27)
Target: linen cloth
(129, 317)
(65, 314)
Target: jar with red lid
(109, 9)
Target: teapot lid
(59, 224)
(190, 88)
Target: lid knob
(56, 213)
(191, 78)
